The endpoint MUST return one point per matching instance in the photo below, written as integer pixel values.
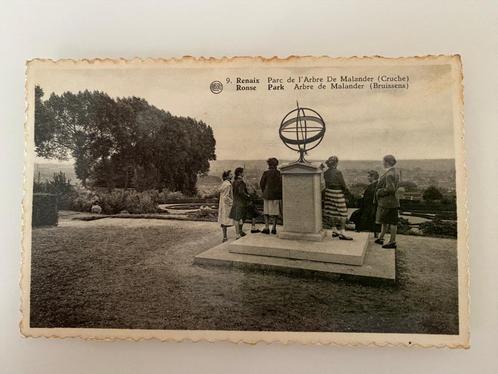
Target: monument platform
(327, 250)
(378, 264)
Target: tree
(432, 193)
(43, 127)
(123, 142)
(74, 125)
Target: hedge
(44, 210)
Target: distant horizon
(345, 159)
(52, 161)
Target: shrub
(403, 225)
(205, 213)
(117, 201)
(44, 210)
(112, 202)
(80, 204)
(437, 227)
(167, 196)
(140, 202)
(82, 200)
(452, 216)
(415, 231)
(432, 193)
(59, 186)
(208, 194)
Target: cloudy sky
(361, 124)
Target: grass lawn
(138, 273)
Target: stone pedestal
(302, 202)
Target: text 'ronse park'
(329, 82)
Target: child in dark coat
(271, 185)
(364, 218)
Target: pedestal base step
(379, 264)
(318, 237)
(327, 250)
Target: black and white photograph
(306, 199)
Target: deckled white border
(253, 337)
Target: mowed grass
(139, 274)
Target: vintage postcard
(314, 200)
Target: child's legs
(267, 221)
(238, 227)
(383, 230)
(342, 224)
(335, 224)
(393, 232)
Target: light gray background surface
(99, 28)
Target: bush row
(130, 201)
(440, 228)
(117, 201)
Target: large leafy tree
(77, 126)
(43, 128)
(124, 142)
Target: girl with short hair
(225, 203)
(335, 211)
(387, 200)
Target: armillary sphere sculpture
(302, 129)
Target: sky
(414, 123)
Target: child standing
(225, 203)
(241, 200)
(271, 185)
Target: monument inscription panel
(302, 207)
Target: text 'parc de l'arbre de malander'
(313, 82)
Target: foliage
(141, 202)
(208, 187)
(403, 225)
(131, 201)
(117, 201)
(44, 128)
(82, 203)
(123, 142)
(448, 215)
(59, 186)
(432, 193)
(204, 213)
(438, 227)
(166, 196)
(209, 194)
(44, 211)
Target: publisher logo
(216, 87)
